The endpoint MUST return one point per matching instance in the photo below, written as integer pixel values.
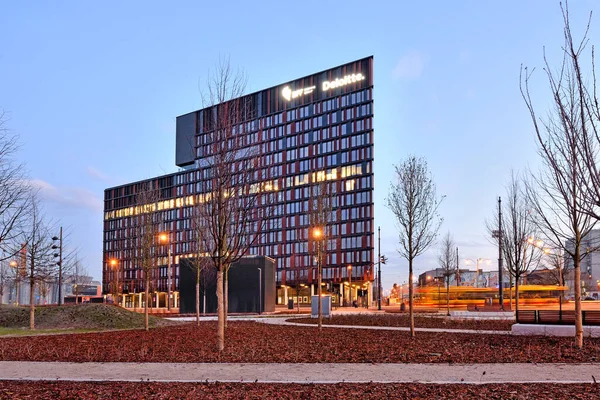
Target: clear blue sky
(93, 89)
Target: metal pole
(500, 266)
(60, 297)
(379, 268)
(457, 269)
(169, 274)
(259, 291)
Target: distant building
(590, 264)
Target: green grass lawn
(73, 318)
(27, 332)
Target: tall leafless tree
(15, 190)
(414, 202)
(559, 194)
(321, 209)
(200, 263)
(447, 261)
(146, 225)
(520, 234)
(234, 186)
(35, 247)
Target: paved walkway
(282, 320)
(301, 373)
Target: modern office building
(312, 129)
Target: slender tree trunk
(220, 312)
(226, 298)
(319, 304)
(298, 297)
(198, 297)
(146, 293)
(577, 287)
(448, 299)
(510, 290)
(204, 301)
(31, 305)
(517, 295)
(411, 314)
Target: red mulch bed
(181, 390)
(403, 321)
(261, 343)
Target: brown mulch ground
(180, 390)
(397, 320)
(261, 343)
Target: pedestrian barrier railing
(557, 317)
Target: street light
(14, 264)
(319, 235)
(115, 265)
(59, 263)
(166, 238)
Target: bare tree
(4, 276)
(560, 270)
(415, 204)
(321, 209)
(146, 227)
(37, 251)
(447, 261)
(234, 187)
(519, 234)
(200, 263)
(15, 190)
(559, 194)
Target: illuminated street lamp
(318, 234)
(13, 264)
(166, 238)
(115, 266)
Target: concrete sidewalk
(301, 373)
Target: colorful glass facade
(316, 128)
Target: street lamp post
(166, 237)
(318, 235)
(59, 263)
(115, 266)
(14, 264)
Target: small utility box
(325, 306)
(290, 304)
